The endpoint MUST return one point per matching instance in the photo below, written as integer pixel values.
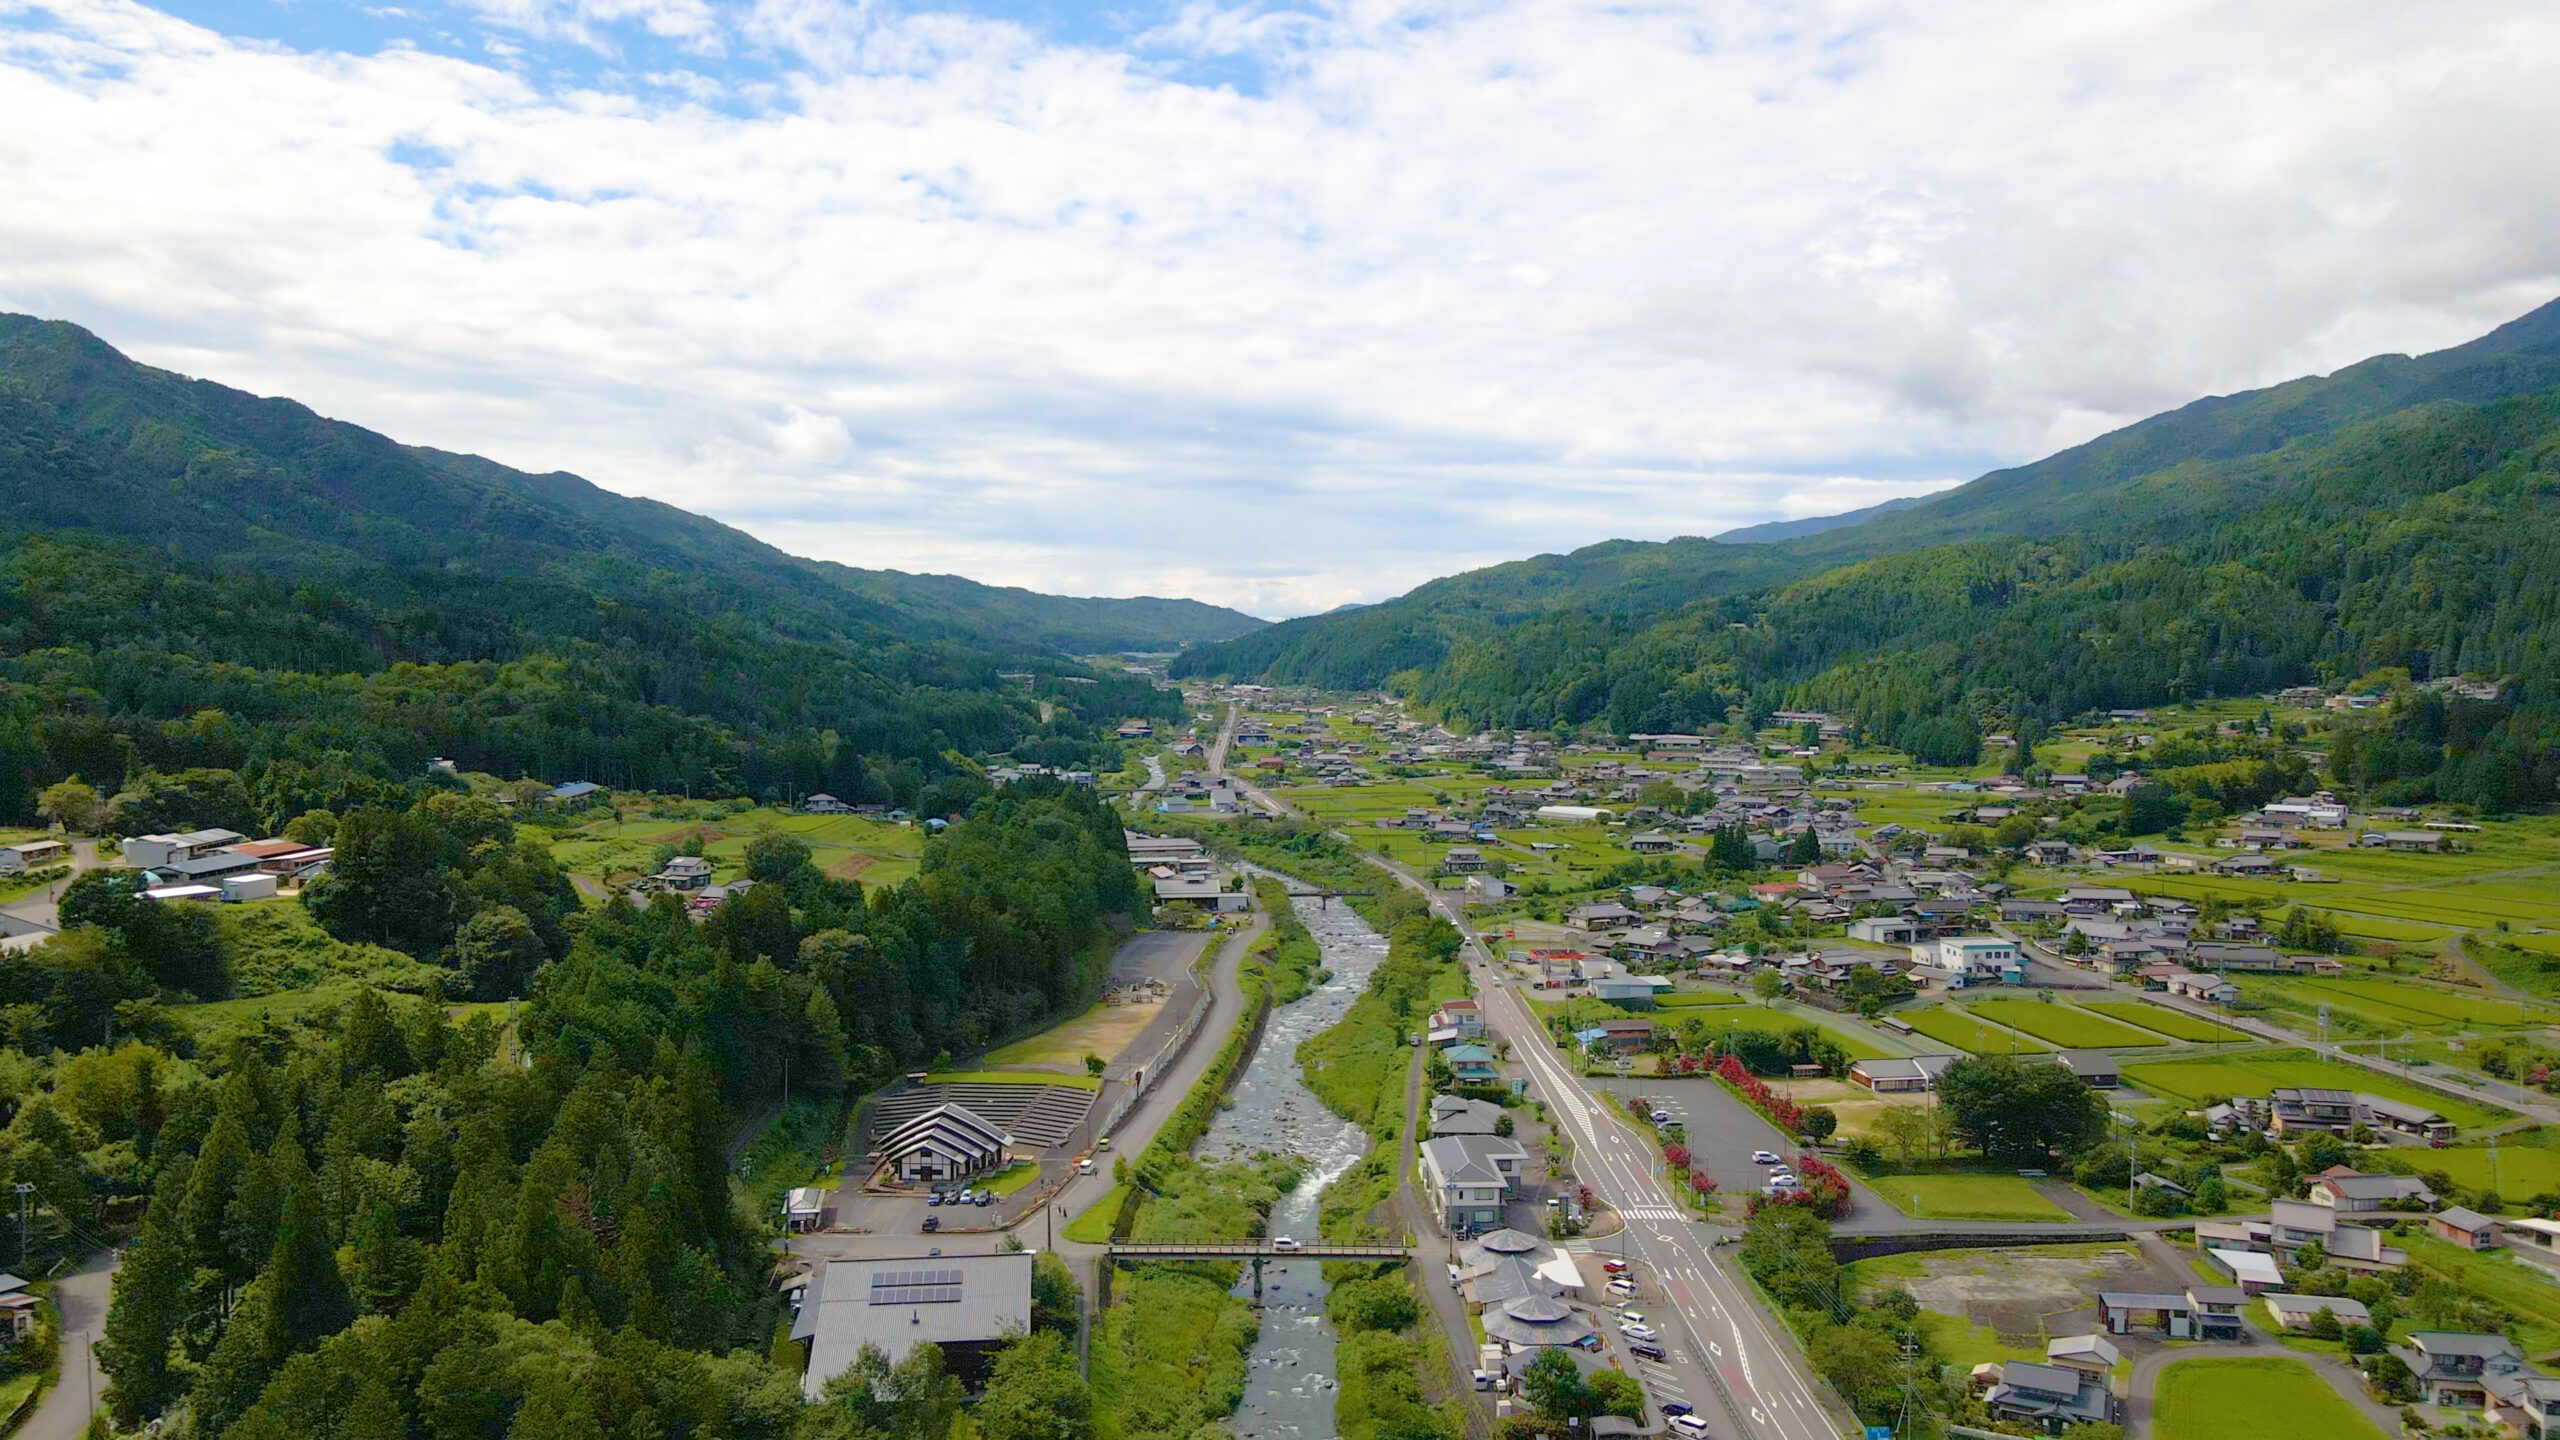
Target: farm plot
(2447, 1007)
(2177, 1025)
(2192, 1080)
(2063, 1025)
(1963, 1031)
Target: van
(1483, 1380)
(1085, 1166)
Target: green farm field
(2063, 1025)
(2237, 1399)
(2191, 1080)
(1965, 1197)
(1966, 1033)
(856, 847)
(2177, 1025)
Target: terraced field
(2064, 1025)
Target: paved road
(82, 1299)
(40, 907)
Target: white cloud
(1451, 282)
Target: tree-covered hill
(216, 474)
(196, 578)
(2174, 472)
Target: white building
(1961, 960)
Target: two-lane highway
(1719, 1327)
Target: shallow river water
(1290, 1382)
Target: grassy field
(1103, 1030)
(853, 847)
(1965, 1197)
(1957, 1028)
(1093, 1227)
(1694, 999)
(2063, 1025)
(2435, 1003)
(2177, 1025)
(2250, 1399)
(2191, 1080)
(2521, 1170)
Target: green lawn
(2174, 1024)
(2250, 1400)
(1965, 1197)
(1955, 1027)
(1012, 1177)
(1692, 999)
(1965, 1344)
(2191, 1080)
(2064, 1025)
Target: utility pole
(24, 1190)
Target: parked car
(1483, 1380)
(932, 1223)
(1283, 1242)
(1622, 1287)
(1614, 1267)
(1638, 1331)
(934, 1199)
(985, 1197)
(1654, 1353)
(1661, 1117)
(1688, 1425)
(1764, 1157)
(1674, 1409)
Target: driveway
(81, 1298)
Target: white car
(1636, 1332)
(1283, 1242)
(1622, 1287)
(1688, 1425)
(1782, 1180)
(1764, 1157)
(1628, 1317)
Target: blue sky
(1279, 306)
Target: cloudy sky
(1278, 303)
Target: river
(1289, 1384)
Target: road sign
(1879, 1432)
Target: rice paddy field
(2244, 1399)
(2397, 1006)
(1955, 1027)
(2064, 1025)
(2256, 1074)
(2510, 870)
(2177, 1025)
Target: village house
(2454, 1368)
(1468, 1177)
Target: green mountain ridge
(234, 461)
(170, 546)
(2396, 514)
(2126, 475)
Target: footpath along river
(1289, 1383)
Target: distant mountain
(2396, 513)
(1792, 529)
(154, 529)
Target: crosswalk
(1652, 1212)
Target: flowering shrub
(1782, 1112)
(1702, 1182)
(1676, 1156)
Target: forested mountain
(2163, 471)
(2399, 514)
(170, 547)
(1815, 525)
